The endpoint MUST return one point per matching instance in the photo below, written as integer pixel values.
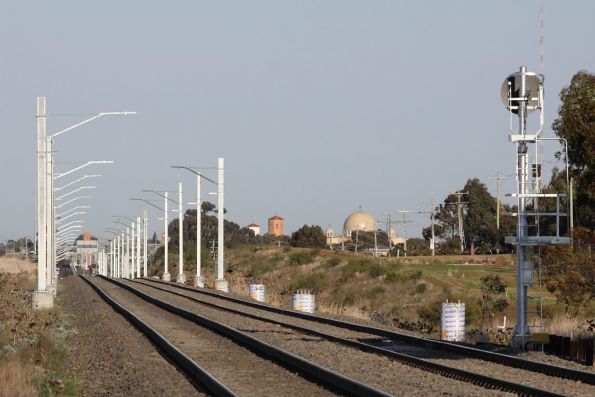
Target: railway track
(157, 291)
(222, 360)
(420, 342)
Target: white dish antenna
(511, 88)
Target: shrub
(333, 261)
(401, 277)
(429, 316)
(260, 268)
(345, 297)
(358, 265)
(396, 311)
(420, 288)
(317, 282)
(412, 274)
(393, 277)
(300, 258)
(374, 292)
(376, 270)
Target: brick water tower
(276, 226)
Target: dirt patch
(110, 356)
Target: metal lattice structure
(522, 94)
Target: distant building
(358, 221)
(276, 226)
(332, 238)
(255, 228)
(86, 248)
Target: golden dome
(359, 220)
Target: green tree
(569, 272)
(492, 302)
(576, 124)
(479, 219)
(308, 236)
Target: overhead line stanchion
(138, 274)
(145, 225)
(41, 298)
(220, 283)
(133, 233)
(198, 280)
(166, 275)
(181, 276)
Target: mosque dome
(359, 220)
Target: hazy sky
(317, 106)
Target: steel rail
(498, 358)
(197, 374)
(330, 379)
(446, 371)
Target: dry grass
(336, 310)
(16, 265)
(566, 326)
(16, 377)
(32, 343)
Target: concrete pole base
(520, 342)
(221, 285)
(199, 282)
(42, 300)
(181, 278)
(166, 277)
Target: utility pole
(404, 221)
(460, 194)
(433, 219)
(388, 233)
(499, 179)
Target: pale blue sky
(317, 106)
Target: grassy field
(401, 291)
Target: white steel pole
(138, 247)
(39, 298)
(166, 275)
(220, 184)
(48, 216)
(111, 257)
(132, 249)
(181, 275)
(52, 265)
(41, 192)
(145, 225)
(120, 256)
(198, 280)
(127, 254)
(116, 256)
